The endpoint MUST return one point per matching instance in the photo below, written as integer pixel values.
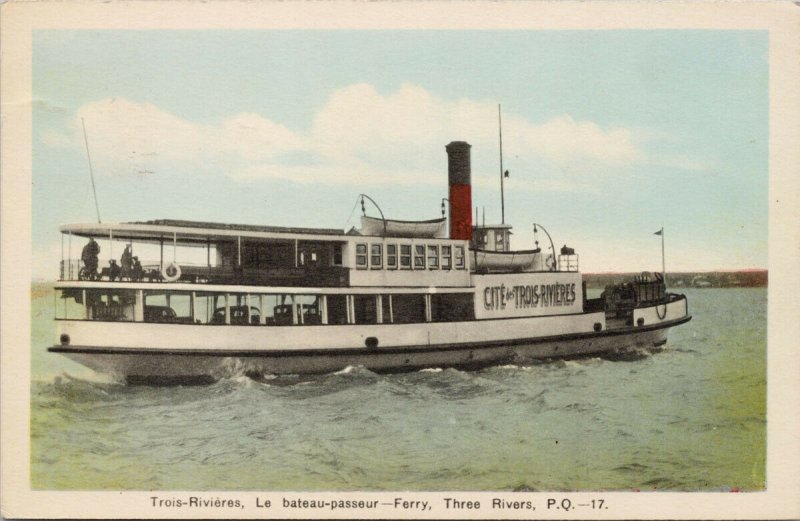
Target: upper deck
(218, 253)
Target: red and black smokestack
(459, 173)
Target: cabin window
(459, 257)
(433, 257)
(70, 304)
(337, 309)
(408, 309)
(337, 254)
(204, 306)
(386, 304)
(365, 309)
(168, 306)
(447, 254)
(361, 256)
(452, 307)
(309, 310)
(391, 256)
(419, 257)
(241, 310)
(278, 310)
(376, 256)
(405, 256)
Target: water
(689, 418)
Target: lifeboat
(431, 229)
(522, 260)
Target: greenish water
(691, 417)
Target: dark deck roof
(240, 227)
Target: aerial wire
(91, 172)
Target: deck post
(391, 310)
(323, 304)
(174, 246)
(69, 253)
(428, 314)
(263, 318)
(379, 308)
(227, 310)
(110, 244)
(138, 310)
(239, 250)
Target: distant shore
(689, 279)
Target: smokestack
(459, 175)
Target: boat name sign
(528, 294)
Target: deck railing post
(69, 247)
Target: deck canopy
(195, 232)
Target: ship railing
(568, 262)
(151, 271)
(70, 269)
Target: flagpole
(663, 265)
(502, 195)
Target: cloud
(359, 136)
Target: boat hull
(170, 366)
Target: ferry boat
(390, 296)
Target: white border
(782, 20)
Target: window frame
(446, 257)
(429, 249)
(460, 259)
(391, 265)
(417, 255)
(409, 256)
(364, 255)
(372, 264)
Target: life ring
(659, 276)
(171, 272)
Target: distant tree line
(691, 279)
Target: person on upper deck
(89, 255)
(126, 261)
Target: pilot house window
(419, 257)
(391, 256)
(361, 256)
(405, 256)
(433, 257)
(376, 254)
(447, 257)
(460, 257)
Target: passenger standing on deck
(126, 261)
(89, 257)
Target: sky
(608, 135)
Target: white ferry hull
(177, 365)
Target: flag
(506, 173)
(659, 232)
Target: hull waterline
(173, 366)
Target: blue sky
(608, 135)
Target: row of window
(410, 256)
(261, 309)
